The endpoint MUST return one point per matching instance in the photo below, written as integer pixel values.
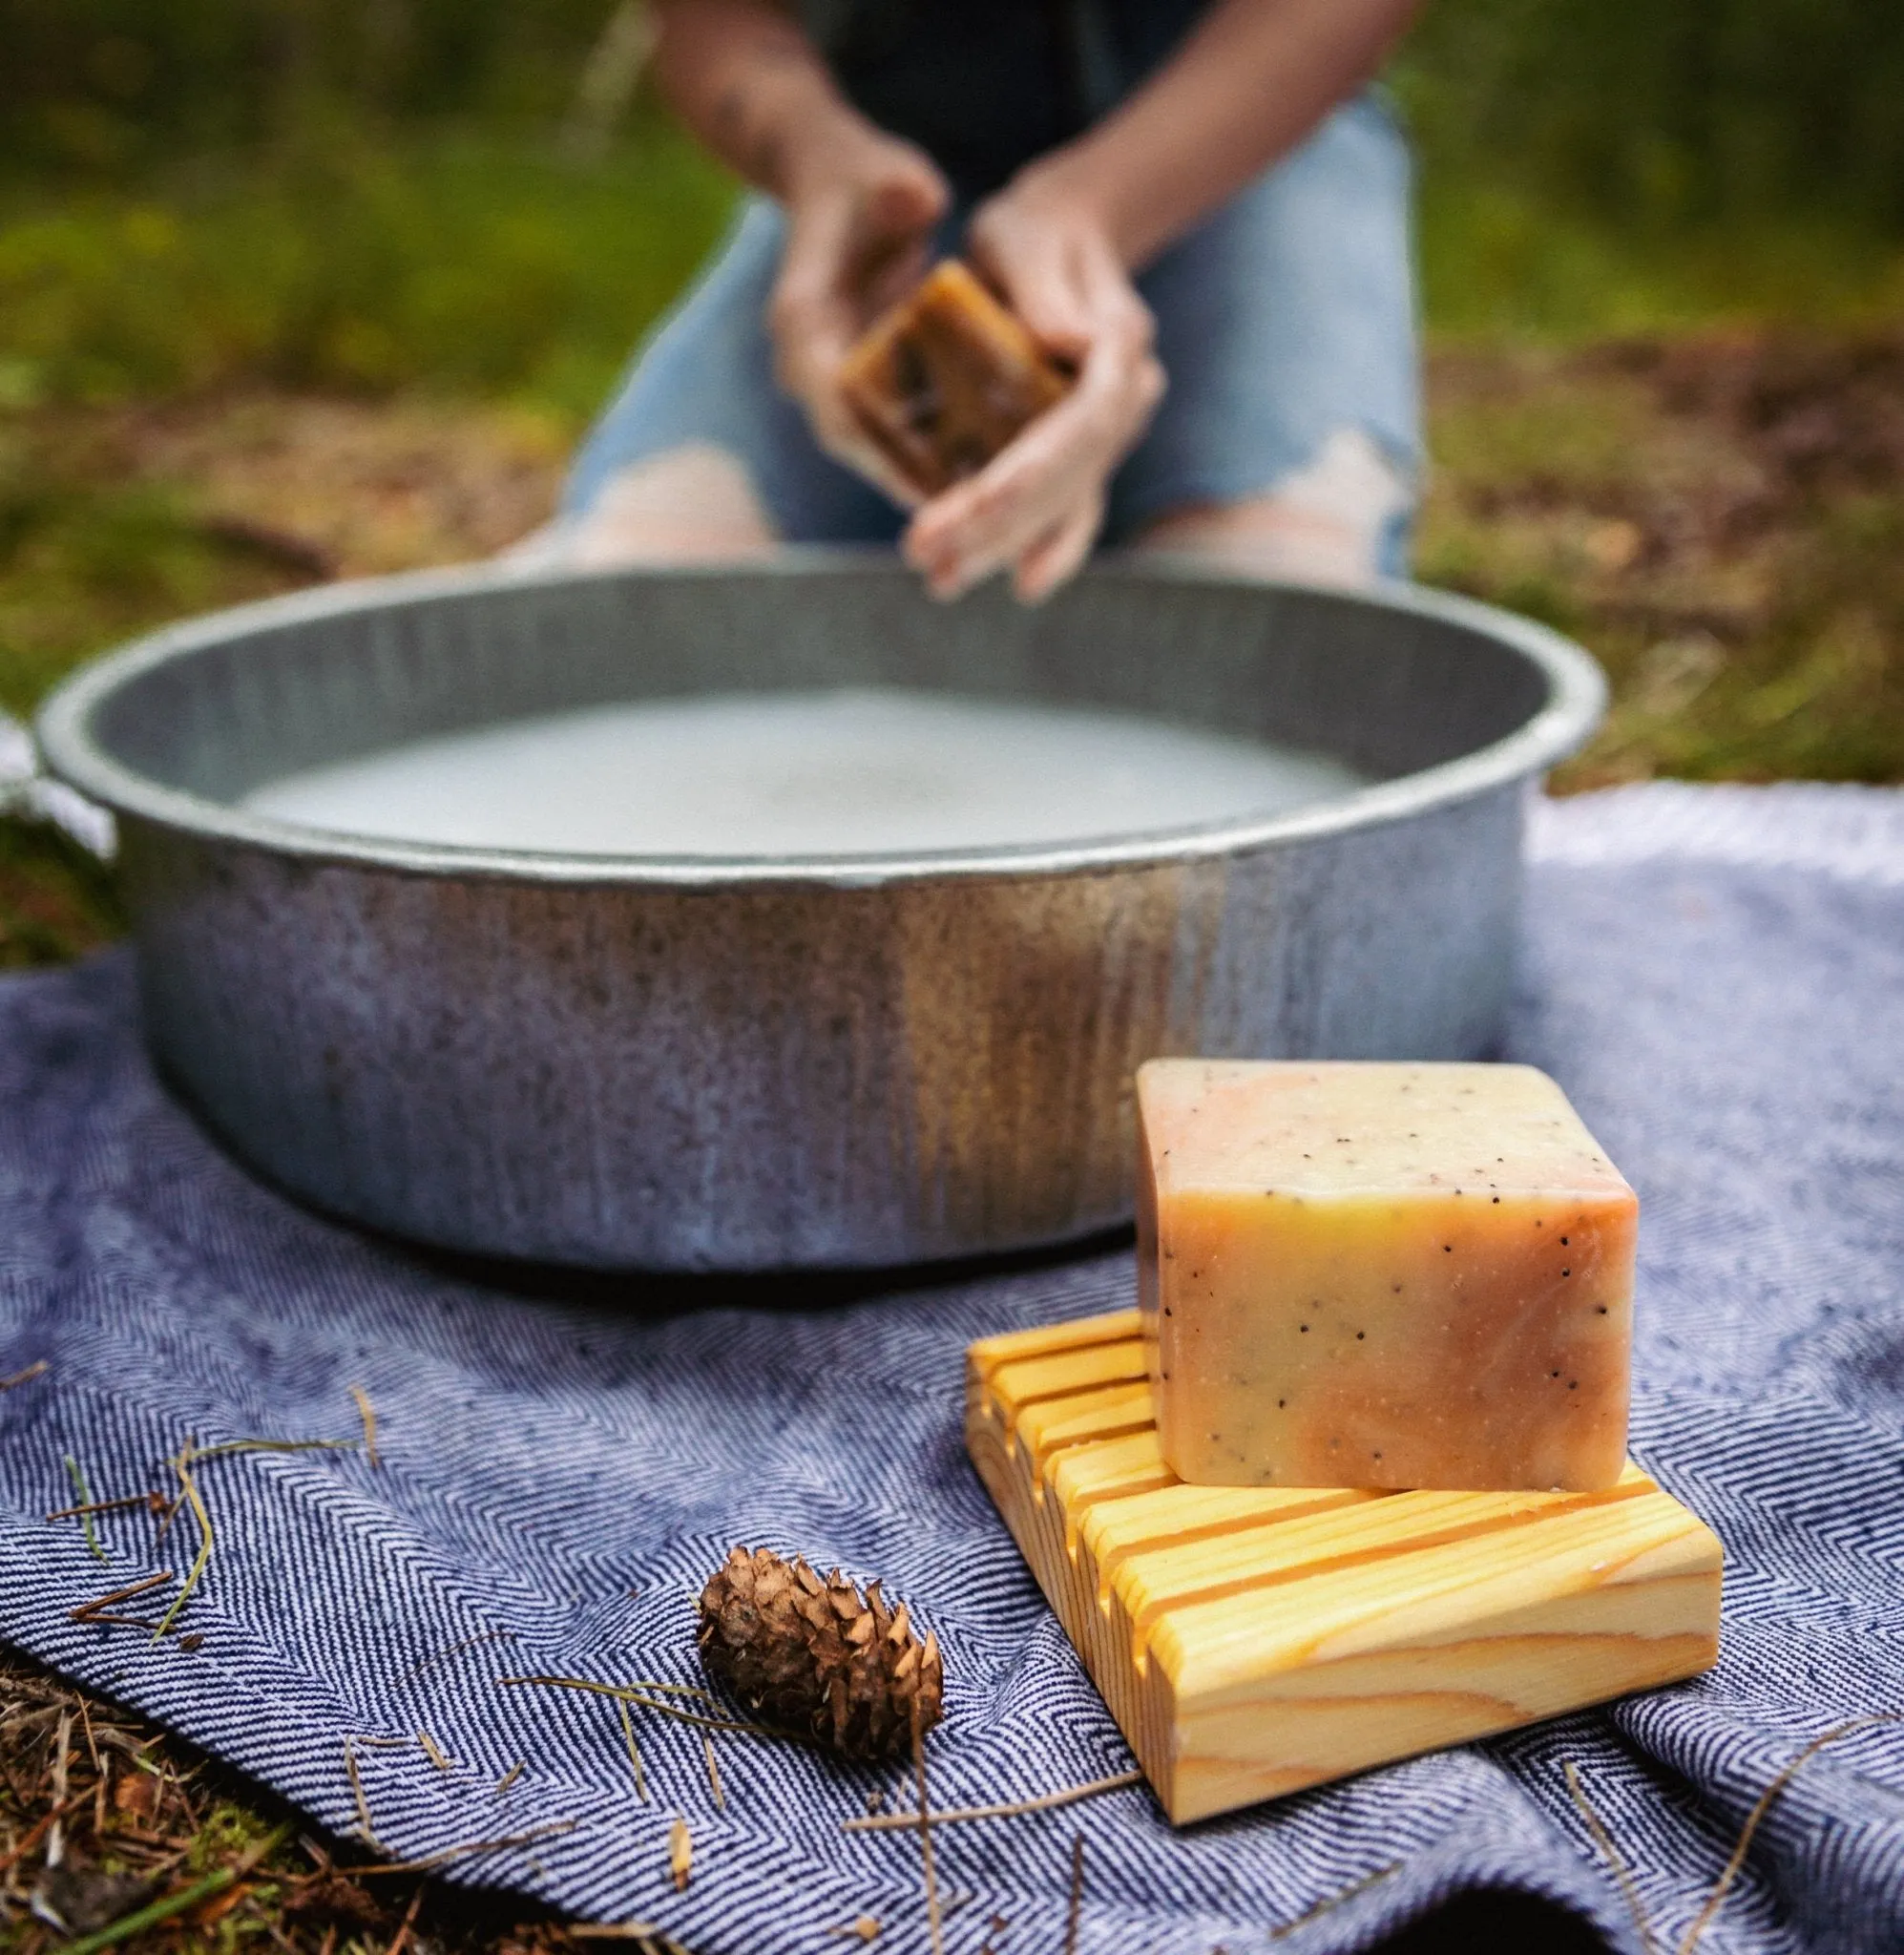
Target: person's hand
(1037, 505)
(861, 207)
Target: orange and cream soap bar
(1376, 1275)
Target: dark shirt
(983, 86)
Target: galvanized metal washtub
(747, 1064)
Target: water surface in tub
(799, 773)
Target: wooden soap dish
(1250, 1641)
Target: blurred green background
(371, 194)
(292, 288)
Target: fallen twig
(680, 1854)
(634, 1751)
(21, 1378)
(1329, 1903)
(1603, 1839)
(90, 1610)
(457, 1649)
(631, 1695)
(1722, 1886)
(1076, 1896)
(622, 1931)
(76, 1473)
(181, 1465)
(154, 1502)
(363, 1825)
(401, 1939)
(432, 1751)
(38, 1832)
(926, 1838)
(225, 1447)
(713, 1770)
(56, 1840)
(509, 1778)
(429, 1861)
(896, 1823)
(368, 1413)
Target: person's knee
(695, 503)
(1329, 521)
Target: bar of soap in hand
(945, 379)
(1376, 1275)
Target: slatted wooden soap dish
(1251, 1641)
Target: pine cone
(817, 1658)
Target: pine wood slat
(1251, 1641)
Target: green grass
(486, 266)
(450, 260)
(1500, 263)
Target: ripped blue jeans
(1286, 323)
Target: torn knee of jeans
(1332, 518)
(695, 501)
(698, 485)
(1349, 481)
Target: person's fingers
(1048, 292)
(1041, 276)
(1061, 555)
(849, 254)
(996, 517)
(909, 200)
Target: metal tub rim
(72, 752)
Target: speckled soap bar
(946, 378)
(1378, 1275)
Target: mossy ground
(143, 1818)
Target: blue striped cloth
(1718, 979)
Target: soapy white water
(802, 773)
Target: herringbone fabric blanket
(1718, 979)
